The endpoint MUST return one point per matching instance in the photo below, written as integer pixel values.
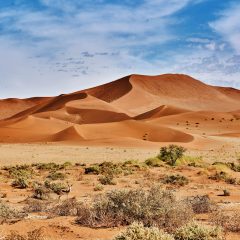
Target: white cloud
(228, 26)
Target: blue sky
(50, 47)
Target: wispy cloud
(228, 25)
(64, 45)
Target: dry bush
(7, 213)
(197, 231)
(68, 207)
(228, 221)
(35, 205)
(201, 204)
(41, 192)
(153, 207)
(138, 232)
(177, 180)
(107, 179)
(36, 234)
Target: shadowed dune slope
(12, 106)
(140, 109)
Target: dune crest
(137, 109)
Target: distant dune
(135, 110)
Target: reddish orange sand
(133, 111)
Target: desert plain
(57, 154)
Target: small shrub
(201, 204)
(57, 187)
(226, 192)
(56, 176)
(7, 213)
(35, 205)
(197, 231)
(68, 207)
(94, 169)
(49, 166)
(107, 180)
(20, 182)
(138, 232)
(171, 154)
(154, 162)
(40, 192)
(36, 234)
(153, 207)
(229, 221)
(218, 176)
(231, 180)
(98, 187)
(177, 180)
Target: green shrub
(98, 187)
(49, 166)
(94, 169)
(196, 231)
(56, 176)
(171, 154)
(177, 180)
(20, 182)
(138, 232)
(153, 207)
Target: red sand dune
(133, 110)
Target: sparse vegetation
(154, 207)
(154, 162)
(229, 221)
(201, 204)
(36, 234)
(107, 180)
(197, 231)
(138, 232)
(177, 180)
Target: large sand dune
(133, 111)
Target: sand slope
(135, 110)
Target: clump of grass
(138, 232)
(98, 188)
(176, 179)
(197, 231)
(154, 162)
(153, 207)
(190, 161)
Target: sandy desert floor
(65, 227)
